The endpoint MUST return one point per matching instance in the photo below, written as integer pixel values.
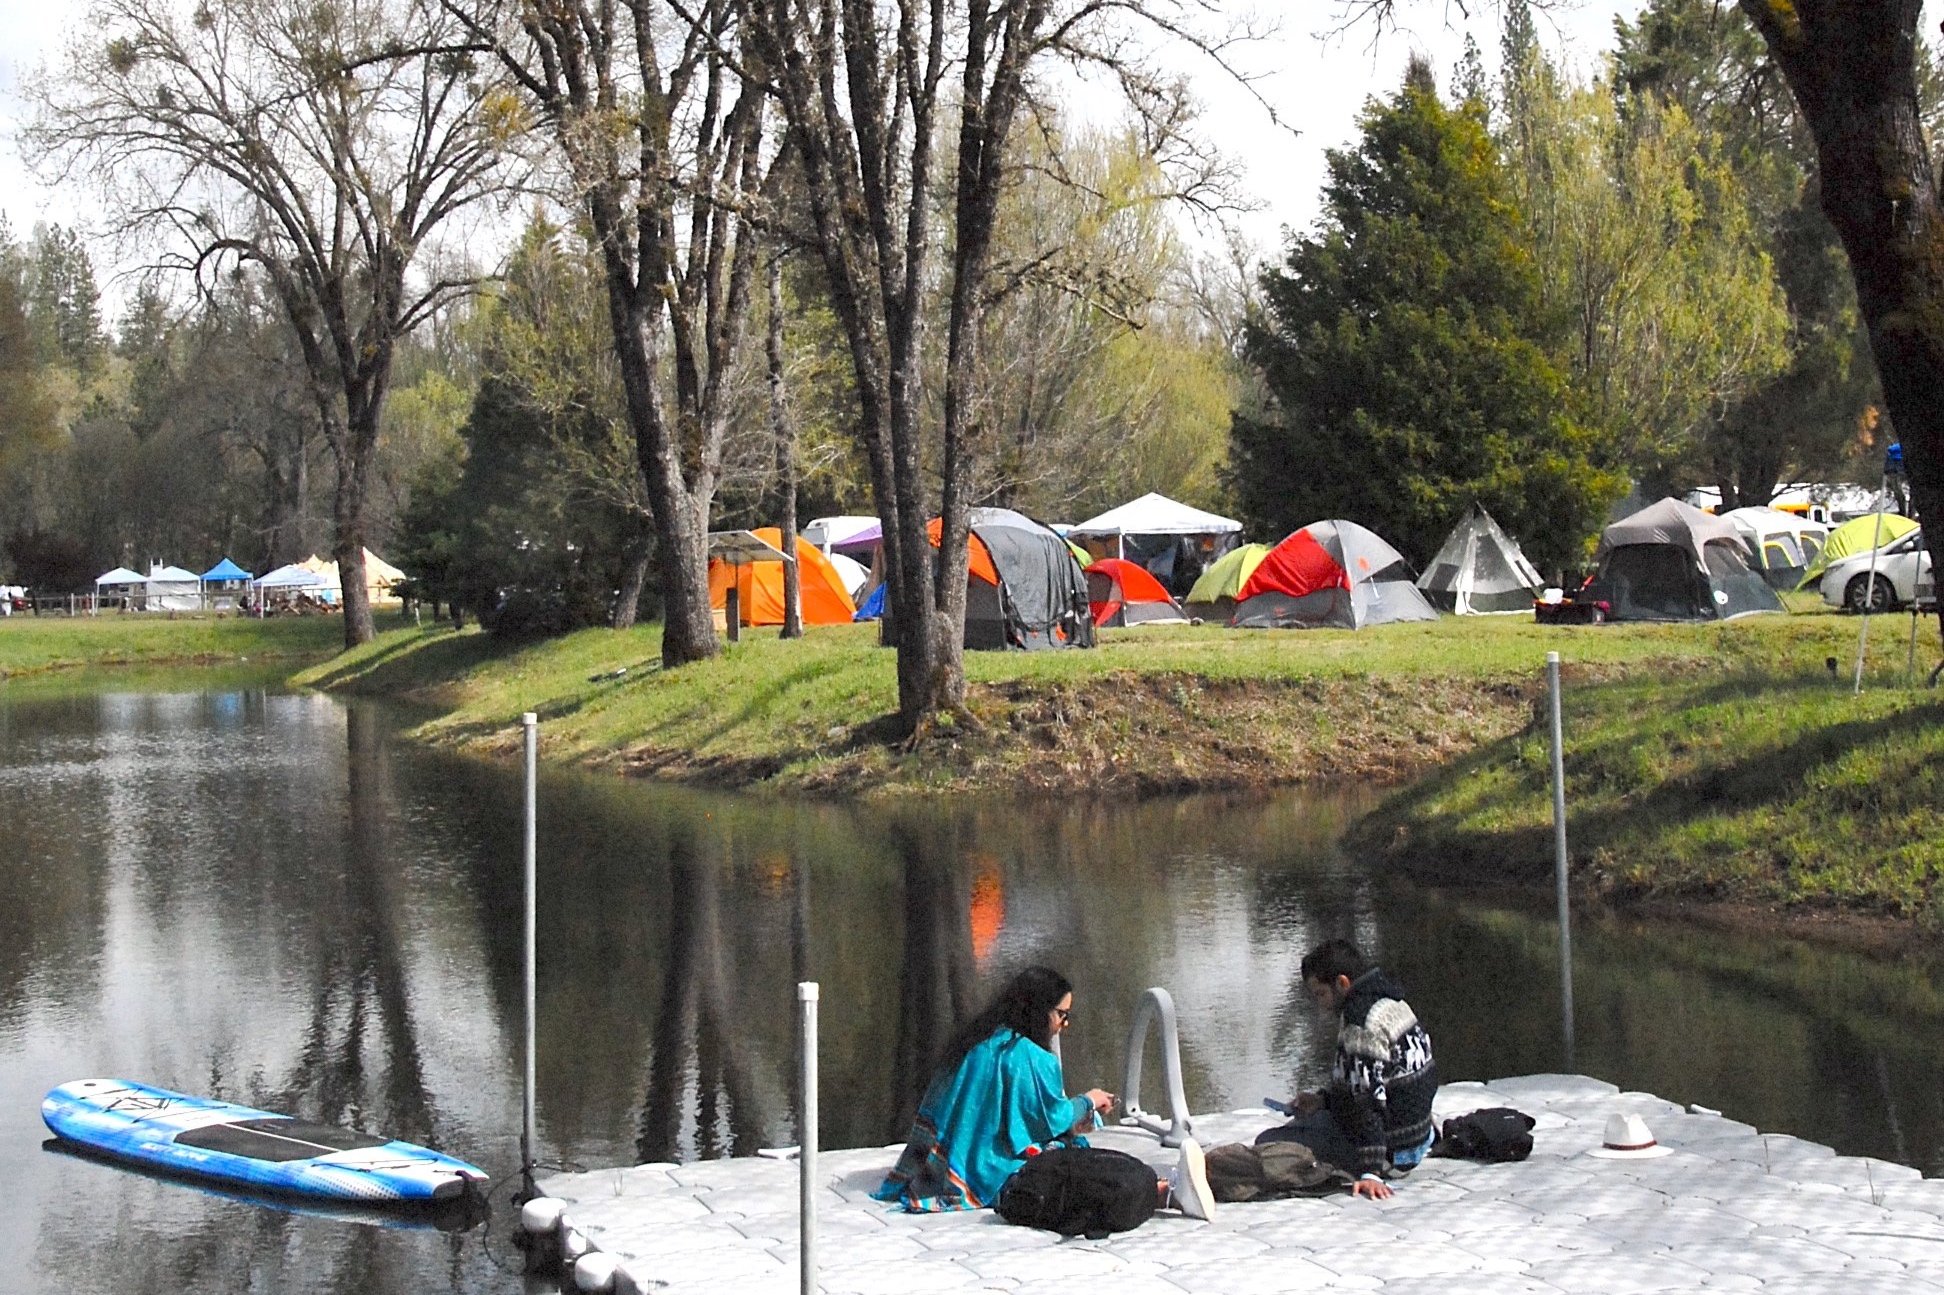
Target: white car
(1901, 567)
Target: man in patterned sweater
(1374, 1119)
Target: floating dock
(1731, 1209)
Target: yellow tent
(1227, 574)
(380, 575)
(1857, 535)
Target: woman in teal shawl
(998, 1096)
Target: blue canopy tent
(222, 583)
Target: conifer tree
(1410, 368)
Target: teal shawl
(977, 1125)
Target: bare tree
(322, 140)
(865, 97)
(662, 140)
(784, 433)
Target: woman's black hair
(1025, 1005)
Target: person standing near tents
(1374, 1119)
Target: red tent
(1124, 593)
(1332, 573)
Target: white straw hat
(1627, 1137)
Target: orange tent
(759, 585)
(978, 558)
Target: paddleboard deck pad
(220, 1141)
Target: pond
(270, 898)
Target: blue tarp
(873, 608)
(226, 570)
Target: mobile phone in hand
(1280, 1107)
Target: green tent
(1226, 575)
(1858, 535)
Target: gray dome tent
(1672, 562)
(1479, 570)
(1023, 588)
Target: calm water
(265, 897)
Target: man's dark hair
(1334, 958)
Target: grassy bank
(1159, 708)
(1782, 791)
(1704, 761)
(38, 644)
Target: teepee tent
(1330, 574)
(1480, 569)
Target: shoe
(1188, 1183)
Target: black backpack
(1080, 1191)
(1496, 1133)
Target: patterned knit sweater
(1384, 1077)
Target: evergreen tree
(1410, 368)
(62, 300)
(1470, 84)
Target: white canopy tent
(1172, 540)
(1156, 514)
(294, 576)
(171, 589)
(120, 576)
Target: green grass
(35, 644)
(769, 707)
(1782, 790)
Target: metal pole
(1559, 858)
(807, 992)
(1869, 585)
(531, 723)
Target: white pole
(807, 993)
(1559, 858)
(530, 722)
(1869, 586)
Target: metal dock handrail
(1156, 1001)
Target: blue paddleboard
(226, 1143)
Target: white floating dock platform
(1732, 1209)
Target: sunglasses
(1065, 1015)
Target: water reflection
(265, 897)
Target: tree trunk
(347, 515)
(786, 460)
(627, 604)
(1853, 70)
(688, 630)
